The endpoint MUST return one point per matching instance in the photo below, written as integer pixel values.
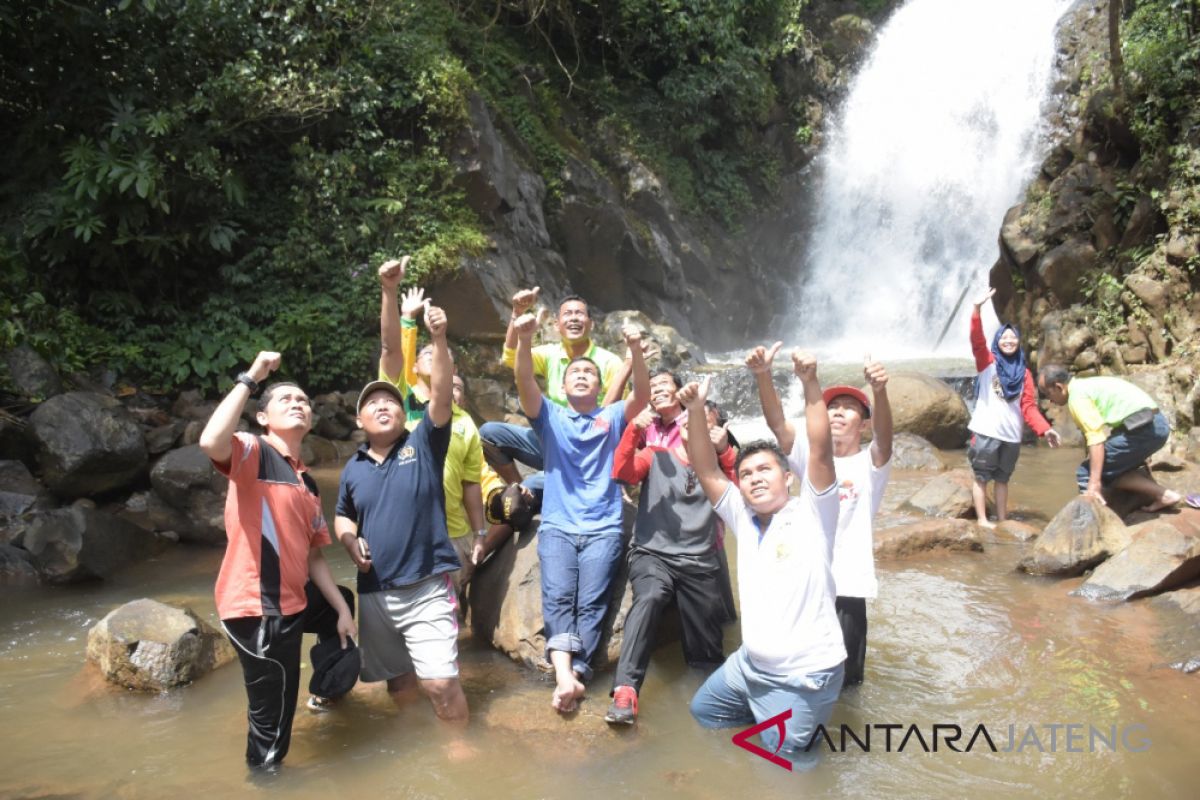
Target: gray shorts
(413, 628)
(992, 459)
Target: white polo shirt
(789, 625)
(860, 491)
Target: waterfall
(939, 135)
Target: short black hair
(761, 446)
(1054, 373)
(599, 374)
(575, 298)
(654, 373)
(712, 406)
(265, 398)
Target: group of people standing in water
(428, 497)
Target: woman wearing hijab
(1005, 394)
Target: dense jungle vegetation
(188, 181)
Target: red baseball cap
(848, 391)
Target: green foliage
(189, 182)
(1161, 50)
(1101, 292)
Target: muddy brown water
(954, 640)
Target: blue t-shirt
(400, 509)
(581, 495)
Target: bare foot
(985, 523)
(458, 750)
(567, 693)
(1166, 500)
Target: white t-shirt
(993, 415)
(860, 492)
(789, 624)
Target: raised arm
(522, 302)
(641, 375)
(759, 361)
(816, 423)
(216, 440)
(527, 388)
(983, 356)
(699, 445)
(412, 303)
(441, 386)
(391, 354)
(881, 413)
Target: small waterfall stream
(938, 137)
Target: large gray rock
(87, 444)
(945, 495)
(193, 494)
(182, 472)
(1080, 536)
(19, 490)
(910, 451)
(15, 442)
(149, 646)
(1161, 555)
(79, 543)
(16, 567)
(1061, 268)
(929, 408)
(31, 374)
(926, 536)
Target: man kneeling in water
(792, 654)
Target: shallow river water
(954, 640)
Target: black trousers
(701, 613)
(269, 651)
(852, 616)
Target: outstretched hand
(523, 300)
(875, 373)
(1052, 438)
(525, 325)
(804, 364)
(693, 395)
(990, 292)
(760, 359)
(391, 273)
(435, 321)
(411, 302)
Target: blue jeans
(577, 577)
(507, 443)
(1125, 451)
(739, 695)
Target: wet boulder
(318, 450)
(1161, 555)
(32, 375)
(926, 536)
(162, 438)
(945, 495)
(19, 490)
(188, 484)
(87, 444)
(16, 567)
(910, 451)
(150, 646)
(1016, 530)
(80, 543)
(1080, 536)
(929, 408)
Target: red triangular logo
(740, 739)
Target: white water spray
(939, 136)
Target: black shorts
(992, 459)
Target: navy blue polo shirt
(400, 509)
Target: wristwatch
(245, 379)
(481, 532)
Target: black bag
(1138, 419)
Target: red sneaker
(624, 706)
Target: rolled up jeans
(577, 577)
(1125, 451)
(507, 443)
(739, 694)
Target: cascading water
(938, 137)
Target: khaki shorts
(413, 628)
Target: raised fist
(391, 273)
(632, 335)
(435, 321)
(804, 364)
(760, 359)
(264, 364)
(693, 395)
(523, 300)
(644, 419)
(875, 373)
(525, 325)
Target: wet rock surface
(1081, 535)
(87, 444)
